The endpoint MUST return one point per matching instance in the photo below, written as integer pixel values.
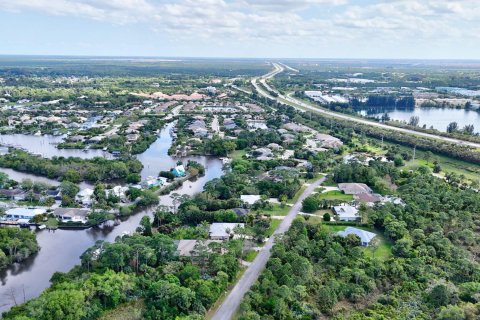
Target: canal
(61, 249)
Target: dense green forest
(16, 245)
(15, 66)
(141, 267)
(433, 273)
(71, 169)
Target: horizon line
(232, 57)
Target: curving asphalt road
(302, 106)
(230, 305)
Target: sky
(395, 29)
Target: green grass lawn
(250, 255)
(315, 178)
(329, 183)
(335, 195)
(277, 210)
(52, 223)
(238, 154)
(321, 212)
(273, 226)
(297, 195)
(469, 170)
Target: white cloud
(279, 21)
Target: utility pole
(414, 150)
(382, 141)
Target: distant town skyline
(344, 29)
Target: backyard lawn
(335, 195)
(277, 210)
(238, 154)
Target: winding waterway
(61, 249)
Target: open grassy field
(238, 154)
(335, 195)
(278, 210)
(469, 170)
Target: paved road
(231, 303)
(302, 106)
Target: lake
(439, 118)
(61, 249)
(46, 146)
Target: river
(439, 118)
(61, 249)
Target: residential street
(232, 301)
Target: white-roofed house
(23, 213)
(71, 214)
(365, 236)
(250, 199)
(84, 196)
(346, 213)
(223, 231)
(186, 248)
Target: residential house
(198, 128)
(327, 141)
(241, 212)
(229, 124)
(179, 171)
(117, 191)
(185, 248)
(71, 214)
(262, 153)
(85, 196)
(12, 194)
(346, 213)
(368, 198)
(151, 182)
(365, 236)
(132, 137)
(354, 188)
(55, 194)
(250, 199)
(223, 231)
(23, 213)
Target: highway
(230, 305)
(300, 105)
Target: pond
(439, 118)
